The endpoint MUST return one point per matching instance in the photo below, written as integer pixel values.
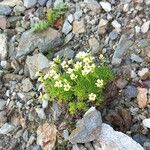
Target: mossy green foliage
(77, 82)
(51, 16)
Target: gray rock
(6, 128)
(2, 104)
(110, 139)
(147, 145)
(78, 15)
(3, 46)
(146, 123)
(106, 6)
(139, 138)
(123, 45)
(43, 40)
(145, 26)
(131, 92)
(37, 147)
(5, 10)
(67, 27)
(144, 43)
(29, 3)
(41, 113)
(57, 3)
(70, 18)
(113, 35)
(36, 63)
(42, 2)
(56, 111)
(65, 53)
(69, 37)
(94, 45)
(93, 5)
(88, 128)
(25, 135)
(3, 118)
(49, 3)
(26, 85)
(102, 26)
(136, 58)
(147, 2)
(79, 27)
(116, 25)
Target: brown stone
(3, 22)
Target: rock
(78, 147)
(11, 3)
(116, 25)
(113, 35)
(66, 27)
(123, 45)
(56, 111)
(29, 3)
(78, 14)
(106, 6)
(93, 5)
(65, 53)
(145, 27)
(89, 146)
(36, 63)
(2, 104)
(6, 128)
(139, 138)
(121, 83)
(102, 26)
(3, 118)
(42, 2)
(94, 45)
(70, 18)
(46, 136)
(41, 113)
(44, 104)
(88, 128)
(110, 139)
(142, 72)
(57, 3)
(37, 147)
(144, 43)
(69, 37)
(131, 92)
(12, 77)
(142, 97)
(146, 123)
(31, 140)
(3, 22)
(49, 3)
(43, 40)
(26, 85)
(147, 145)
(19, 10)
(5, 10)
(147, 2)
(3, 46)
(78, 27)
(136, 58)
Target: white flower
(70, 61)
(64, 64)
(58, 84)
(56, 76)
(85, 71)
(99, 83)
(52, 64)
(37, 74)
(88, 59)
(57, 59)
(67, 87)
(73, 76)
(81, 55)
(101, 56)
(69, 71)
(92, 97)
(46, 76)
(78, 65)
(52, 72)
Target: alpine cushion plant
(79, 82)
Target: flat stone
(3, 22)
(42, 2)
(6, 128)
(93, 5)
(11, 3)
(67, 27)
(3, 118)
(113, 35)
(29, 3)
(106, 6)
(3, 46)
(69, 37)
(145, 27)
(131, 92)
(36, 63)
(2, 104)
(26, 85)
(146, 123)
(139, 138)
(57, 3)
(88, 128)
(5, 10)
(147, 2)
(102, 26)
(70, 18)
(65, 53)
(41, 113)
(122, 47)
(144, 43)
(79, 27)
(110, 139)
(49, 3)
(136, 58)
(43, 40)
(143, 71)
(94, 45)
(116, 25)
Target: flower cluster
(76, 81)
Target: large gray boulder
(29, 41)
(88, 128)
(110, 139)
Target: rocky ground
(119, 30)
